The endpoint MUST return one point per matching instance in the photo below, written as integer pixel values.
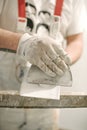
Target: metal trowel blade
(37, 76)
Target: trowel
(36, 76)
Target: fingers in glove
(67, 59)
(51, 65)
(60, 63)
(51, 53)
(61, 66)
(60, 51)
(45, 68)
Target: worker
(28, 30)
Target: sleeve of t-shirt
(78, 21)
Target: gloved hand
(45, 53)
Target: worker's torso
(39, 20)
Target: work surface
(12, 99)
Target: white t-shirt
(72, 14)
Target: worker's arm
(9, 40)
(50, 58)
(75, 46)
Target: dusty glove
(45, 53)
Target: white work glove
(45, 53)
